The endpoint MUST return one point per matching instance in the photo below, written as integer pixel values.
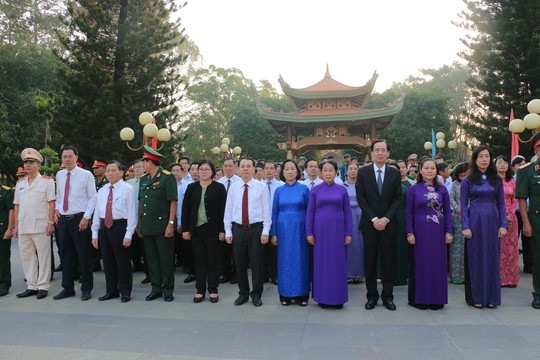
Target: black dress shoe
(42, 294)
(214, 299)
(146, 280)
(27, 293)
(168, 297)
(436, 306)
(125, 298)
(85, 295)
(257, 302)
(389, 304)
(370, 304)
(240, 301)
(225, 279)
(63, 294)
(153, 296)
(273, 280)
(108, 297)
(536, 304)
(189, 279)
(3, 292)
(419, 306)
(197, 300)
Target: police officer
(528, 186)
(158, 198)
(34, 224)
(6, 231)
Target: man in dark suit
(378, 189)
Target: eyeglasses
(204, 169)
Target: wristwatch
(171, 222)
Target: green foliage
(51, 161)
(29, 90)
(224, 105)
(433, 100)
(121, 58)
(504, 58)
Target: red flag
(154, 139)
(515, 141)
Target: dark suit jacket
(214, 203)
(378, 205)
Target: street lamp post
(151, 133)
(531, 121)
(440, 143)
(225, 151)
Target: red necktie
(108, 209)
(66, 192)
(245, 213)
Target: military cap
(99, 161)
(535, 141)
(20, 171)
(412, 157)
(30, 154)
(151, 154)
(81, 163)
(347, 155)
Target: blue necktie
(228, 184)
(379, 181)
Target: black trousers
(138, 257)
(75, 244)
(116, 258)
(227, 264)
(187, 257)
(206, 254)
(526, 245)
(270, 261)
(247, 248)
(383, 243)
(5, 263)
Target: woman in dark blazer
(202, 223)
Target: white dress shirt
(308, 181)
(225, 180)
(274, 184)
(123, 207)
(182, 186)
(33, 200)
(258, 205)
(375, 169)
(82, 192)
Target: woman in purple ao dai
(428, 221)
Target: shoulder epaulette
(6, 187)
(166, 172)
(45, 177)
(524, 166)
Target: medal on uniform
(484, 176)
(536, 167)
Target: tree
(434, 100)
(504, 57)
(121, 58)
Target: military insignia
(46, 177)
(536, 167)
(166, 172)
(524, 166)
(156, 183)
(6, 187)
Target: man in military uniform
(528, 186)
(98, 168)
(34, 224)
(6, 231)
(158, 198)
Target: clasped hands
(380, 223)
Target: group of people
(310, 227)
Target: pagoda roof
(354, 117)
(328, 88)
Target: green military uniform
(155, 196)
(99, 184)
(528, 186)
(6, 205)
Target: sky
(297, 38)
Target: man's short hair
(69, 147)
(379, 141)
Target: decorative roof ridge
(327, 75)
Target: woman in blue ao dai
(289, 230)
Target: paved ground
(72, 329)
